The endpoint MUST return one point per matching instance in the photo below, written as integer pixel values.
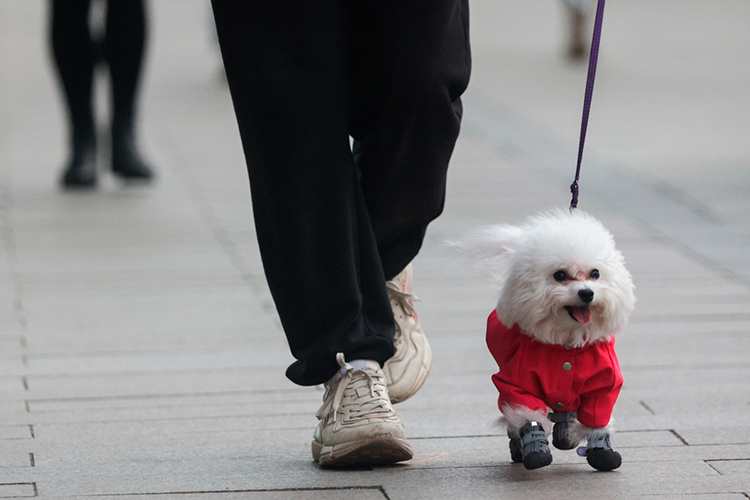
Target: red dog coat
(586, 380)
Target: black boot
(124, 48)
(80, 172)
(536, 452)
(127, 162)
(577, 49)
(74, 60)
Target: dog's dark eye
(560, 276)
(594, 274)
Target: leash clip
(574, 191)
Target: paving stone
(15, 459)
(11, 344)
(686, 351)
(712, 496)
(11, 365)
(725, 467)
(669, 456)
(15, 432)
(116, 430)
(343, 493)
(155, 384)
(11, 388)
(239, 357)
(17, 490)
(123, 259)
(12, 412)
(175, 409)
(140, 352)
(685, 327)
(735, 434)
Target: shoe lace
(359, 393)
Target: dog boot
(535, 450)
(561, 438)
(516, 447)
(600, 455)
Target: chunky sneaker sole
(357, 423)
(408, 369)
(377, 449)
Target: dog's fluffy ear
(490, 249)
(489, 241)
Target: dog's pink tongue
(582, 314)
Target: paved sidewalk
(140, 353)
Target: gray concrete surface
(140, 354)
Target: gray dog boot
(561, 438)
(600, 455)
(535, 447)
(516, 447)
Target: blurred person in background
(77, 49)
(578, 12)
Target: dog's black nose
(586, 295)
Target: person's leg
(124, 50)
(287, 67)
(74, 57)
(411, 62)
(579, 13)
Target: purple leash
(593, 57)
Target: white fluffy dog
(565, 294)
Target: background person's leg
(73, 52)
(124, 50)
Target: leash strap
(593, 57)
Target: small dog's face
(580, 298)
(565, 282)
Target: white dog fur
(528, 256)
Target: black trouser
(333, 225)
(75, 55)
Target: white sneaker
(407, 370)
(357, 423)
